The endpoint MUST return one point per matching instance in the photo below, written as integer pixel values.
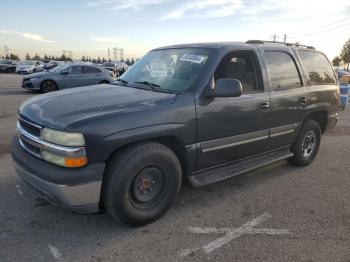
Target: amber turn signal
(75, 162)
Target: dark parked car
(66, 76)
(110, 66)
(7, 66)
(207, 113)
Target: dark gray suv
(201, 112)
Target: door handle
(264, 105)
(302, 100)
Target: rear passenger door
(288, 93)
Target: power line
(321, 31)
(322, 26)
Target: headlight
(63, 138)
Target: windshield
(170, 69)
(108, 64)
(4, 61)
(59, 68)
(28, 62)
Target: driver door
(232, 128)
(71, 79)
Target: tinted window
(283, 71)
(240, 66)
(75, 70)
(318, 67)
(91, 70)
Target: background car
(50, 64)
(343, 76)
(7, 66)
(110, 66)
(66, 76)
(29, 66)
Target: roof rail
(276, 42)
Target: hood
(25, 66)
(62, 108)
(40, 74)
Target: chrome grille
(26, 132)
(31, 128)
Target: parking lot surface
(278, 213)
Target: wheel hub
(309, 144)
(147, 185)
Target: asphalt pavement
(278, 213)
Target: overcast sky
(90, 27)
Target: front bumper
(77, 190)
(29, 84)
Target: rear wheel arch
(321, 117)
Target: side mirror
(227, 87)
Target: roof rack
(276, 42)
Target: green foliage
(345, 53)
(336, 61)
(27, 56)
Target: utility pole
(284, 38)
(109, 54)
(274, 37)
(121, 54)
(115, 53)
(6, 49)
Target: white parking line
(232, 233)
(20, 192)
(56, 253)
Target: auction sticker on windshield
(198, 59)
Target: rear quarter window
(318, 68)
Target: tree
(109, 60)
(336, 61)
(63, 57)
(132, 61)
(36, 57)
(27, 56)
(128, 61)
(14, 57)
(345, 54)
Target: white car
(29, 67)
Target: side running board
(222, 172)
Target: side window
(91, 70)
(283, 71)
(75, 70)
(242, 66)
(318, 67)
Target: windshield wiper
(153, 86)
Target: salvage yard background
(311, 205)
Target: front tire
(141, 183)
(307, 144)
(48, 86)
